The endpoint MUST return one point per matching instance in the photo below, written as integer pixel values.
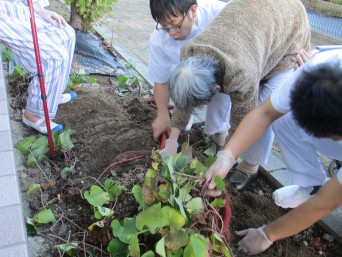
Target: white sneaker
(294, 195)
(67, 97)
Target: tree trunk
(76, 20)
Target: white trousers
(218, 115)
(56, 51)
(300, 152)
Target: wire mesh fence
(325, 17)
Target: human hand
(52, 17)
(171, 146)
(224, 162)
(255, 241)
(161, 124)
(302, 57)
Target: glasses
(175, 29)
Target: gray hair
(192, 83)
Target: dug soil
(107, 125)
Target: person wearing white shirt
(306, 115)
(178, 22)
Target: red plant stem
(125, 158)
(227, 213)
(215, 217)
(210, 250)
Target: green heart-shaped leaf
(173, 217)
(176, 239)
(125, 232)
(44, 217)
(24, 145)
(195, 206)
(96, 196)
(152, 218)
(198, 246)
(117, 248)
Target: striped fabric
(56, 50)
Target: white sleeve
(339, 175)
(280, 98)
(158, 64)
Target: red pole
(40, 76)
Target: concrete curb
(13, 238)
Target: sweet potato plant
(175, 218)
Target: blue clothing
(56, 47)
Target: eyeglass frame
(174, 29)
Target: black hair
(164, 9)
(316, 100)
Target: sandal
(67, 97)
(41, 129)
(241, 180)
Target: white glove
(224, 162)
(52, 17)
(255, 241)
(171, 146)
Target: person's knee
(71, 33)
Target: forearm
(323, 203)
(293, 222)
(252, 127)
(162, 97)
(174, 133)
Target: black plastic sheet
(93, 58)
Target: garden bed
(107, 125)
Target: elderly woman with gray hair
(246, 52)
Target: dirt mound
(105, 126)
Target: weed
(6, 54)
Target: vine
(91, 11)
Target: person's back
(252, 41)
(248, 50)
